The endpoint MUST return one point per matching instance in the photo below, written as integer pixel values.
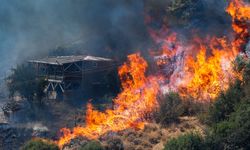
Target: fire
(139, 97)
(201, 68)
(238, 9)
(240, 13)
(207, 76)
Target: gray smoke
(30, 28)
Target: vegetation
(170, 109)
(39, 144)
(228, 119)
(92, 145)
(115, 144)
(24, 82)
(190, 141)
(225, 103)
(233, 133)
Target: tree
(23, 81)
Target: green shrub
(225, 103)
(191, 141)
(92, 145)
(192, 107)
(170, 109)
(229, 115)
(39, 144)
(233, 133)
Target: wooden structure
(67, 73)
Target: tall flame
(139, 96)
(206, 75)
(201, 69)
(240, 13)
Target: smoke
(31, 28)
(189, 17)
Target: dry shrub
(115, 144)
(170, 108)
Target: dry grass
(154, 136)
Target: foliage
(39, 144)
(183, 11)
(24, 82)
(190, 141)
(228, 118)
(233, 133)
(229, 115)
(92, 145)
(225, 103)
(192, 107)
(170, 109)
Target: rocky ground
(153, 137)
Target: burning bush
(229, 118)
(225, 103)
(39, 144)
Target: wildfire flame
(201, 69)
(139, 97)
(240, 13)
(206, 76)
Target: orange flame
(207, 69)
(139, 96)
(240, 13)
(207, 76)
(202, 72)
